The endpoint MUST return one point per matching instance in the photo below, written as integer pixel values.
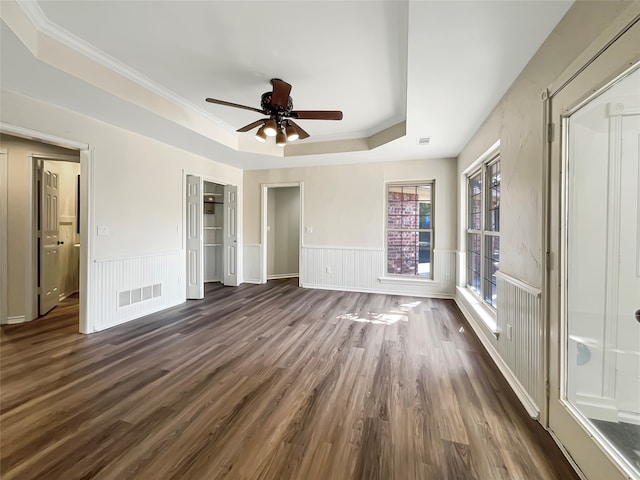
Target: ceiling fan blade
(281, 91)
(316, 114)
(252, 125)
(236, 105)
(302, 134)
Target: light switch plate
(103, 230)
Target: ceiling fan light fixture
(260, 135)
(270, 128)
(277, 107)
(292, 133)
(281, 139)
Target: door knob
(638, 315)
(60, 243)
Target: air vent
(424, 141)
(137, 295)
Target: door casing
(263, 228)
(3, 236)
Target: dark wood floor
(265, 382)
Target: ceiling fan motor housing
(271, 109)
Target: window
(483, 230)
(410, 229)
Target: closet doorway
(212, 224)
(211, 234)
(281, 230)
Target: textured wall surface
(518, 122)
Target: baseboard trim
(16, 319)
(526, 401)
(63, 296)
(597, 408)
(629, 417)
(444, 296)
(136, 317)
(282, 275)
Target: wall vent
(137, 295)
(424, 141)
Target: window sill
(489, 317)
(399, 280)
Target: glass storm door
(594, 281)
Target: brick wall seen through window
(410, 229)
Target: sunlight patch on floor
(382, 318)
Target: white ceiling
(438, 66)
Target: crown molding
(56, 46)
(42, 23)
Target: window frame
(485, 233)
(423, 183)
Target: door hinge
(547, 390)
(548, 260)
(550, 132)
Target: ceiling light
(281, 139)
(260, 135)
(292, 133)
(270, 128)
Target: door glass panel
(602, 361)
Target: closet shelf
(213, 228)
(212, 244)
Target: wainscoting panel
(522, 334)
(363, 270)
(157, 280)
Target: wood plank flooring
(265, 382)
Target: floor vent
(137, 295)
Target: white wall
(344, 207)
(137, 192)
(21, 266)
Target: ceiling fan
(277, 105)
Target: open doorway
(211, 235)
(57, 233)
(281, 230)
(29, 157)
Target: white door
(230, 235)
(594, 261)
(49, 238)
(195, 265)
